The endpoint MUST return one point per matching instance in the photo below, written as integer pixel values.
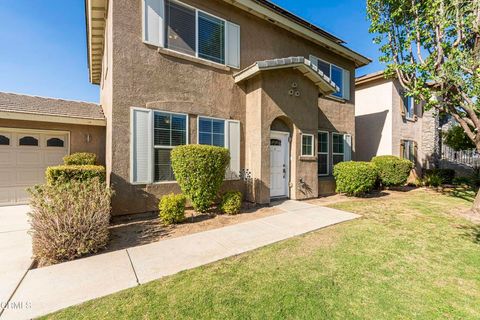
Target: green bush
(392, 171)
(355, 178)
(172, 208)
(200, 171)
(74, 173)
(69, 220)
(231, 202)
(463, 181)
(445, 176)
(80, 159)
(432, 180)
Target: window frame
(225, 133)
(324, 153)
(404, 143)
(8, 137)
(154, 147)
(330, 76)
(405, 106)
(225, 34)
(343, 142)
(313, 144)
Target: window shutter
(233, 130)
(347, 147)
(153, 22)
(141, 164)
(346, 84)
(233, 45)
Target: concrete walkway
(15, 250)
(52, 288)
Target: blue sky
(43, 46)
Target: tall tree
(433, 48)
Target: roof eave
(95, 13)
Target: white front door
(279, 171)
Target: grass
(409, 257)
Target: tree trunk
(476, 203)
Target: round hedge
(200, 171)
(355, 178)
(392, 171)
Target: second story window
(409, 105)
(187, 30)
(340, 76)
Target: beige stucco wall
(78, 135)
(143, 77)
(373, 117)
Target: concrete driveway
(15, 250)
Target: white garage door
(24, 156)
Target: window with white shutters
(185, 29)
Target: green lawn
(409, 257)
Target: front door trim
(286, 138)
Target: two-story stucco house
(388, 122)
(275, 90)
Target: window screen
(211, 38)
(338, 151)
(323, 153)
(307, 145)
(181, 26)
(211, 132)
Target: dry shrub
(69, 220)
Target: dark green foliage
(77, 172)
(200, 171)
(392, 171)
(445, 176)
(80, 159)
(69, 220)
(172, 208)
(355, 178)
(231, 202)
(457, 139)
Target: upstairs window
(339, 76)
(211, 38)
(409, 105)
(185, 29)
(181, 26)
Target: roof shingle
(19, 103)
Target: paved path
(15, 250)
(56, 287)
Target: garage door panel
(6, 177)
(30, 158)
(28, 177)
(7, 196)
(7, 157)
(54, 158)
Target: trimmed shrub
(392, 171)
(355, 178)
(63, 174)
(231, 202)
(172, 208)
(69, 220)
(200, 171)
(80, 159)
(445, 176)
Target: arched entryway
(280, 133)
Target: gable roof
(306, 67)
(25, 107)
(367, 78)
(264, 9)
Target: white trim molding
(25, 116)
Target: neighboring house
(38, 132)
(219, 73)
(388, 122)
